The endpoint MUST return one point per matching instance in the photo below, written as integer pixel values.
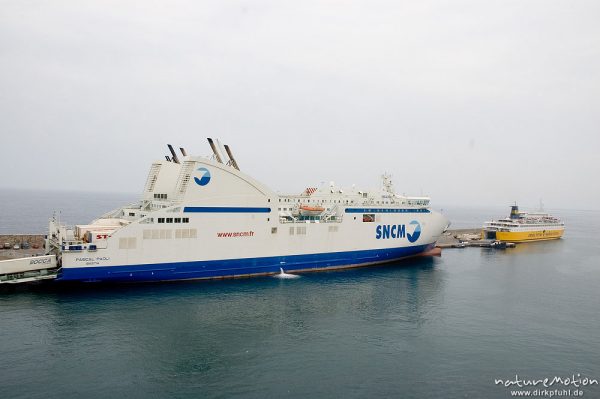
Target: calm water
(28, 211)
(443, 327)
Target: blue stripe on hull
(229, 268)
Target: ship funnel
(232, 159)
(183, 151)
(514, 212)
(173, 155)
(222, 152)
(168, 158)
(214, 149)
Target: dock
(462, 238)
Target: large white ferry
(524, 226)
(202, 218)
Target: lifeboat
(306, 210)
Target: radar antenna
(388, 186)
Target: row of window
(418, 202)
(536, 226)
(316, 201)
(352, 202)
(300, 230)
(164, 234)
(530, 226)
(127, 243)
(173, 220)
(412, 202)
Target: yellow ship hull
(523, 236)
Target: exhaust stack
(173, 155)
(230, 155)
(168, 158)
(214, 149)
(226, 161)
(183, 151)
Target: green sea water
(443, 327)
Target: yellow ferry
(523, 226)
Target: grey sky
(471, 102)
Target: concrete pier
(451, 238)
(461, 238)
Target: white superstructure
(203, 218)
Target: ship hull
(528, 236)
(230, 225)
(235, 268)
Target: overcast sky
(470, 102)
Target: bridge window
(161, 220)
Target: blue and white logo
(203, 177)
(387, 231)
(416, 233)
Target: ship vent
(152, 177)
(184, 179)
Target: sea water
(432, 327)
